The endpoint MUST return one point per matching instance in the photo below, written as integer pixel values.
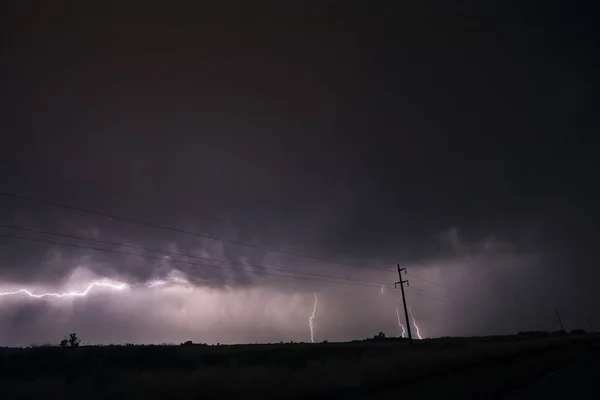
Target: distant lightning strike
(310, 320)
(115, 286)
(397, 302)
(171, 279)
(154, 283)
(414, 323)
(398, 315)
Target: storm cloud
(309, 141)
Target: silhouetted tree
(74, 340)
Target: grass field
(436, 368)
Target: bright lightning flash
(116, 286)
(397, 301)
(310, 320)
(154, 283)
(398, 316)
(415, 324)
(172, 278)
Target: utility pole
(559, 320)
(589, 325)
(401, 283)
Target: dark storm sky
(460, 138)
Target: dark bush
(74, 340)
(71, 341)
(379, 337)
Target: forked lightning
(310, 320)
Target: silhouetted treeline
(555, 333)
(159, 371)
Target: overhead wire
(183, 231)
(442, 297)
(180, 209)
(64, 235)
(434, 283)
(434, 293)
(437, 299)
(185, 262)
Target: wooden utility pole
(559, 320)
(589, 325)
(401, 283)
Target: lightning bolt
(398, 316)
(310, 320)
(187, 316)
(154, 283)
(397, 302)
(116, 286)
(414, 323)
(151, 284)
(113, 285)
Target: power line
(446, 297)
(433, 292)
(184, 262)
(443, 298)
(177, 230)
(464, 296)
(437, 299)
(435, 283)
(186, 255)
(161, 204)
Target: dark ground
(578, 379)
(489, 367)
